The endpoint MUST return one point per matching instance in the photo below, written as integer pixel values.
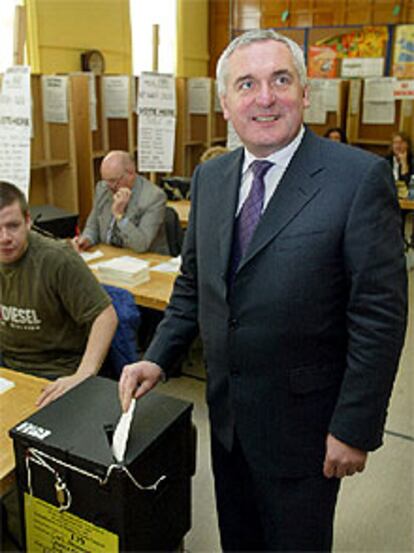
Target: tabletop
(16, 404)
(406, 204)
(155, 293)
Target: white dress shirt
(280, 159)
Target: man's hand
(58, 388)
(120, 201)
(80, 244)
(342, 459)
(136, 380)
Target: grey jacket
(142, 228)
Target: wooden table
(155, 293)
(406, 204)
(182, 207)
(16, 404)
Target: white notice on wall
(55, 99)
(316, 112)
(156, 142)
(156, 122)
(378, 113)
(157, 91)
(116, 96)
(332, 92)
(380, 89)
(362, 67)
(199, 95)
(15, 125)
(404, 89)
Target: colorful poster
(322, 62)
(403, 67)
(367, 42)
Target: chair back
(174, 231)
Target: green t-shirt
(48, 301)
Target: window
(143, 16)
(7, 8)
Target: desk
(16, 404)
(182, 207)
(155, 293)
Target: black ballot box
(74, 496)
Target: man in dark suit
(302, 317)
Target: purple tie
(249, 216)
(252, 208)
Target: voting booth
(74, 495)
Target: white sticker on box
(33, 430)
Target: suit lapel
(228, 194)
(296, 188)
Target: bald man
(128, 210)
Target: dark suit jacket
(308, 339)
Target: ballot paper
(5, 384)
(125, 270)
(90, 256)
(171, 266)
(121, 434)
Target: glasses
(114, 182)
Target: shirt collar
(281, 157)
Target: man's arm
(99, 341)
(376, 320)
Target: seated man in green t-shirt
(56, 321)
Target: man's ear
(306, 96)
(28, 221)
(223, 103)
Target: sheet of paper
(362, 67)
(379, 89)
(5, 385)
(156, 142)
(199, 95)
(316, 112)
(378, 113)
(55, 98)
(15, 127)
(157, 91)
(90, 256)
(171, 266)
(156, 122)
(121, 434)
(116, 96)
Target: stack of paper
(125, 270)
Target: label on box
(49, 530)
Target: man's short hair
(9, 194)
(258, 35)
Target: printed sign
(48, 529)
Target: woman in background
(400, 157)
(337, 134)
